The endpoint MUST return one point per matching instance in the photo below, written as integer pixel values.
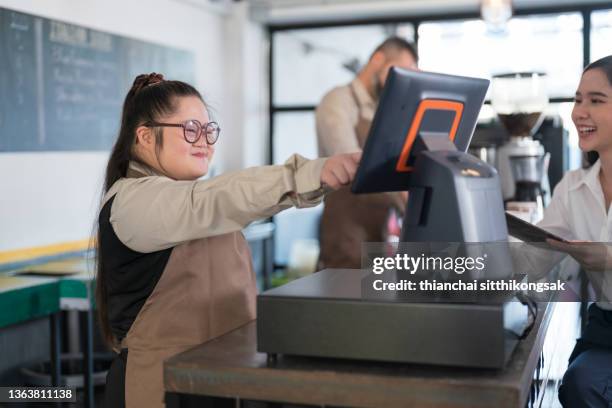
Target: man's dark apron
(349, 219)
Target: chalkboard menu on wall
(62, 85)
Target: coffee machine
(519, 100)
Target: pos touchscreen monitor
(414, 104)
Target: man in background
(343, 120)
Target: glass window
(294, 227)
(547, 43)
(601, 33)
(310, 62)
(564, 111)
(294, 132)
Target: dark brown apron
(349, 219)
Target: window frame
(416, 21)
(585, 10)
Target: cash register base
(325, 315)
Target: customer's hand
(339, 170)
(592, 256)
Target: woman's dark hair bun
(144, 80)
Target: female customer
(580, 210)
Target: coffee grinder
(519, 100)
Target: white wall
(48, 198)
(248, 89)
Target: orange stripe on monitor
(425, 105)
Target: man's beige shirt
(337, 116)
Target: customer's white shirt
(577, 211)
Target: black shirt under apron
(129, 276)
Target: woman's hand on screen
(339, 170)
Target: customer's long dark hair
(150, 98)
(604, 64)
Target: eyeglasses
(193, 129)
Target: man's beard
(377, 86)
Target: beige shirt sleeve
(336, 118)
(155, 213)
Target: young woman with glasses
(173, 269)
